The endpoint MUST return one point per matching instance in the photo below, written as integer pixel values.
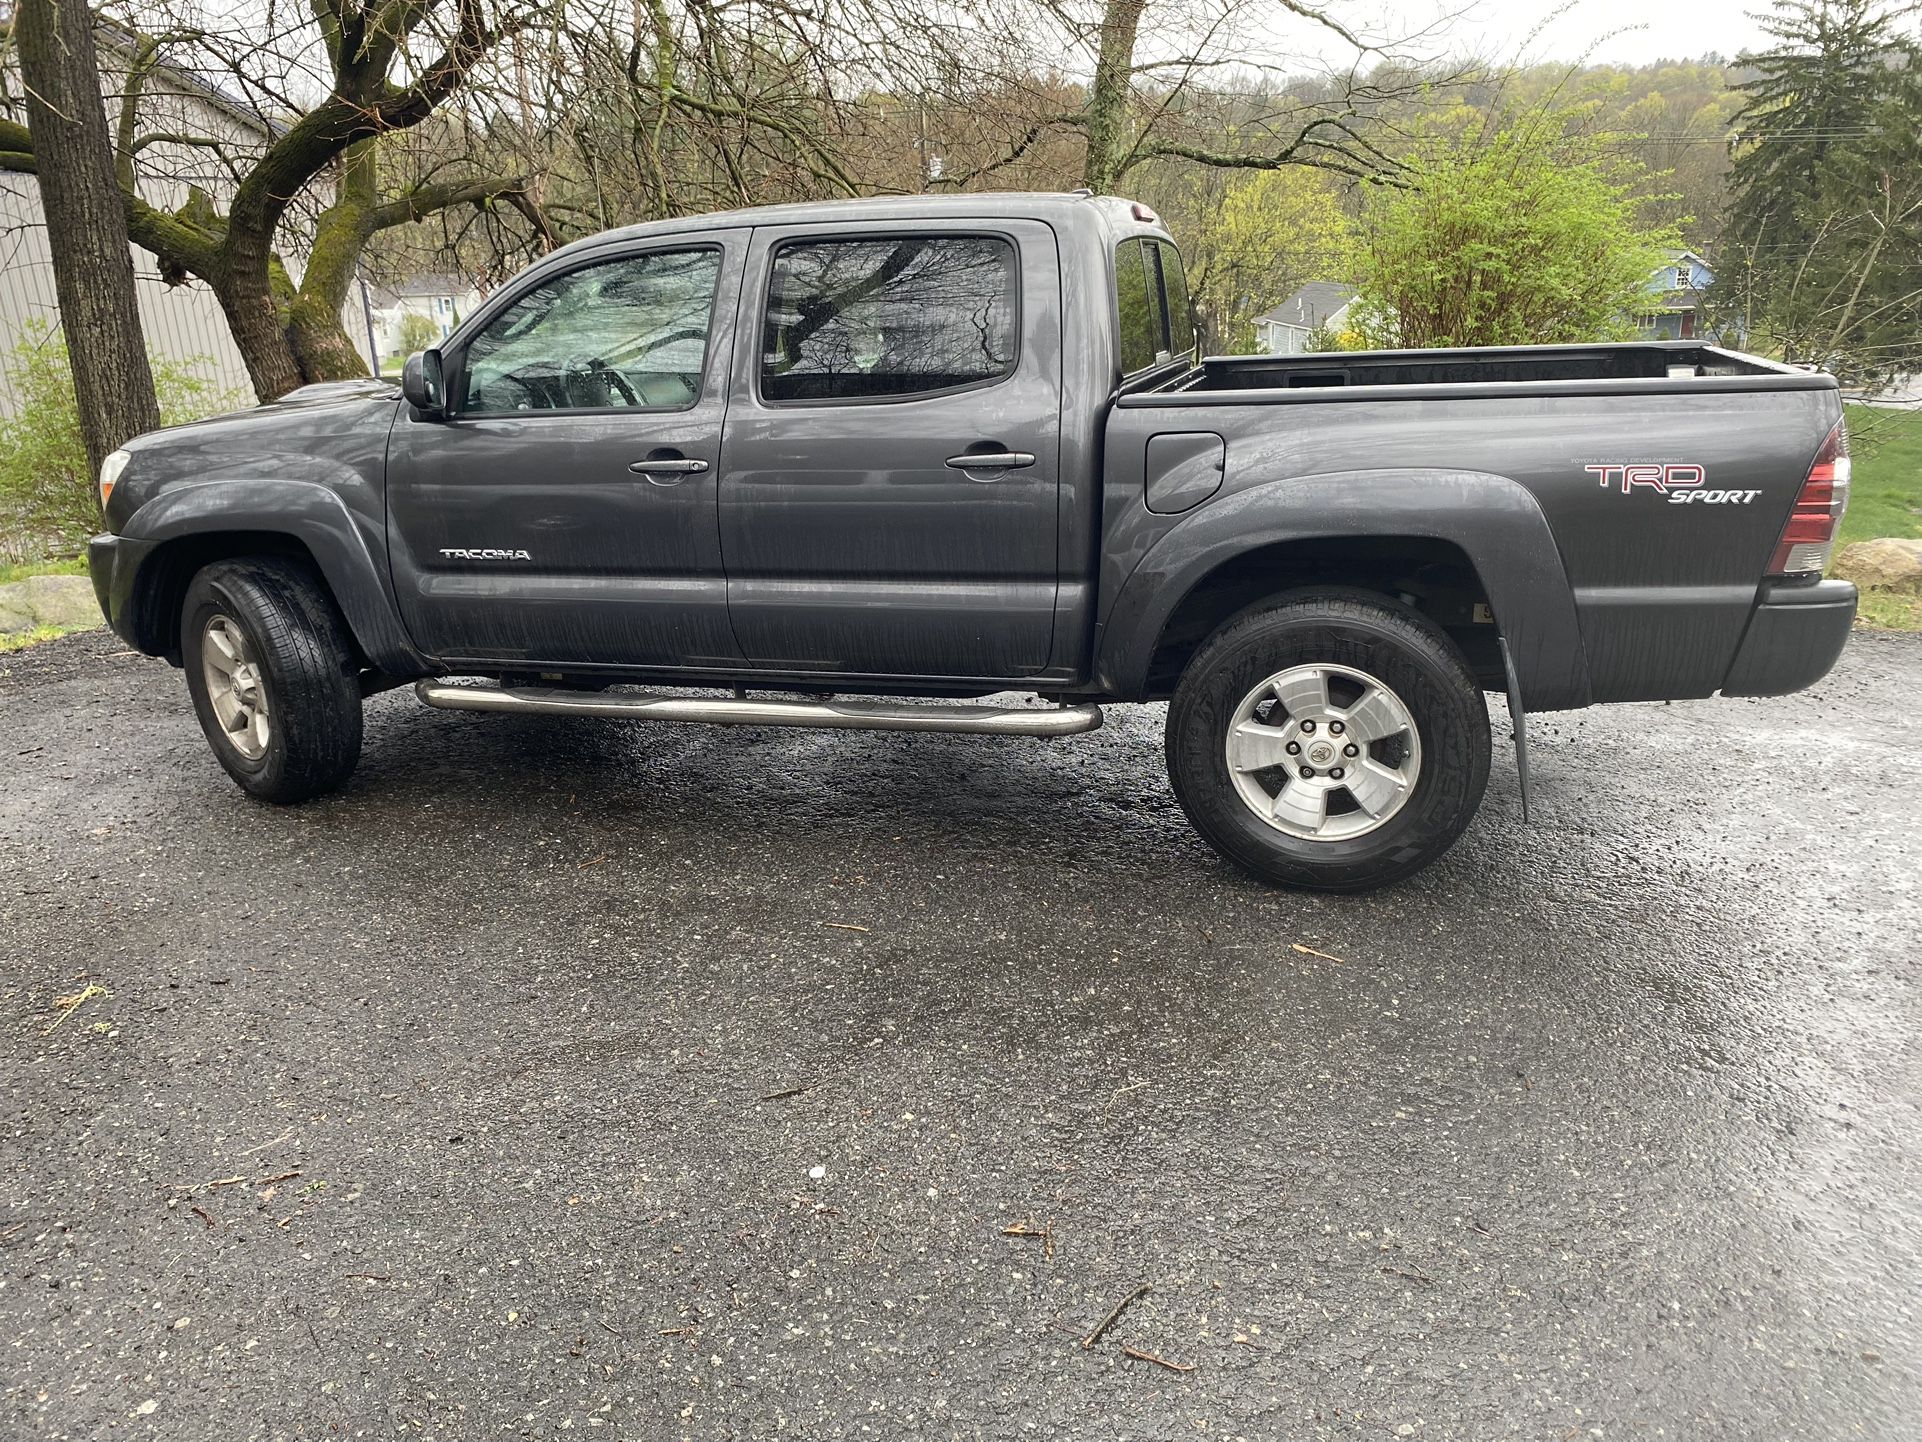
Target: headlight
(110, 470)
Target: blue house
(1675, 298)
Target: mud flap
(1520, 718)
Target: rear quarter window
(1153, 316)
(1137, 307)
(1181, 311)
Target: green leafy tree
(1252, 238)
(1823, 252)
(1529, 236)
(417, 332)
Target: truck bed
(1656, 361)
(1534, 443)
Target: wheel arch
(1447, 540)
(1434, 577)
(186, 528)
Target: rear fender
(1492, 519)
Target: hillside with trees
(470, 135)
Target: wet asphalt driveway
(647, 1082)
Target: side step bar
(740, 711)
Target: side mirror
(420, 382)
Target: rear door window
(889, 318)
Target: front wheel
(1329, 741)
(273, 676)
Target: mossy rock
(1885, 564)
(64, 601)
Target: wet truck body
(941, 448)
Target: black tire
(308, 671)
(1365, 632)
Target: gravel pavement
(652, 1082)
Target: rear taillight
(1809, 536)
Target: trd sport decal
(1682, 482)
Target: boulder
(1885, 564)
(66, 601)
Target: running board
(740, 711)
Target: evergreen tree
(1823, 252)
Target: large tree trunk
(260, 335)
(256, 315)
(86, 224)
(323, 348)
(1110, 96)
(325, 351)
(301, 340)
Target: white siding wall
(182, 323)
(1274, 338)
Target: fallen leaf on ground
(68, 1005)
(1310, 951)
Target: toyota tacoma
(879, 460)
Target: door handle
(665, 470)
(669, 466)
(991, 461)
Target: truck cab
(858, 442)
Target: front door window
(626, 334)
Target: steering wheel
(557, 391)
(607, 376)
(536, 396)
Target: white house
(183, 323)
(1285, 329)
(380, 311)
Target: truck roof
(1115, 211)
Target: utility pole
(367, 314)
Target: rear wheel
(1335, 741)
(273, 676)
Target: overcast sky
(1623, 31)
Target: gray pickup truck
(885, 458)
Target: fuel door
(1183, 469)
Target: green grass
(20, 640)
(1885, 498)
(1889, 611)
(24, 569)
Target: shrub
(48, 504)
(417, 332)
(1523, 238)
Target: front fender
(345, 546)
(1495, 521)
